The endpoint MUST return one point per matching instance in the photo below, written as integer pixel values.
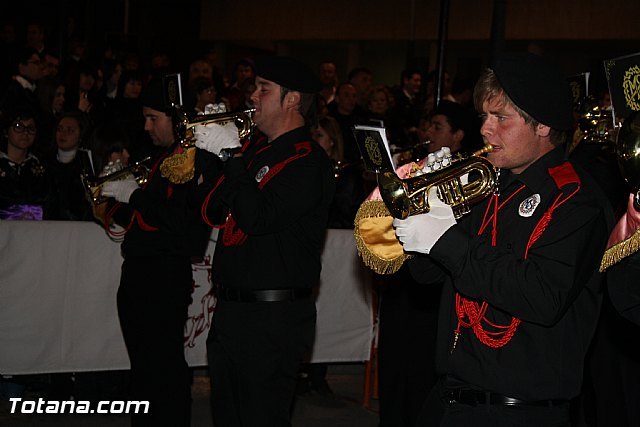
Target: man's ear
(543, 130)
(292, 99)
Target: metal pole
(442, 38)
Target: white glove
(214, 137)
(215, 108)
(419, 233)
(120, 190)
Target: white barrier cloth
(58, 284)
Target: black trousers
(153, 301)
(254, 351)
(406, 349)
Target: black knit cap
(536, 87)
(288, 72)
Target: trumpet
(410, 196)
(93, 186)
(185, 124)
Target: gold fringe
(178, 168)
(620, 250)
(369, 209)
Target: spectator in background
(126, 110)
(19, 93)
(408, 107)
(35, 37)
(26, 190)
(206, 93)
(362, 80)
(347, 113)
(243, 70)
(51, 65)
(329, 79)
(66, 166)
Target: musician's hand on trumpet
(215, 137)
(419, 233)
(120, 190)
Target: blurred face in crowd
(362, 82)
(35, 36)
(68, 134)
(328, 75)
(516, 144)
(412, 85)
(159, 127)
(243, 72)
(200, 69)
(440, 134)
(86, 82)
(33, 70)
(58, 99)
(378, 103)
(51, 65)
(207, 96)
(22, 134)
(319, 135)
(132, 89)
(346, 99)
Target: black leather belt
(477, 397)
(263, 295)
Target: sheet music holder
(172, 90)
(623, 77)
(374, 148)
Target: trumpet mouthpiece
(487, 148)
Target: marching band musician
(163, 233)
(275, 193)
(522, 289)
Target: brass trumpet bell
(628, 153)
(93, 186)
(410, 196)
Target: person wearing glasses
(26, 191)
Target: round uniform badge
(529, 205)
(261, 173)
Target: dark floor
(343, 409)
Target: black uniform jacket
(166, 217)
(278, 196)
(556, 290)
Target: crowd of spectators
(98, 89)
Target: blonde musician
(521, 290)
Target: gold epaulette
(620, 250)
(178, 168)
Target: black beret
(288, 72)
(536, 87)
(153, 95)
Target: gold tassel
(620, 250)
(383, 256)
(178, 168)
